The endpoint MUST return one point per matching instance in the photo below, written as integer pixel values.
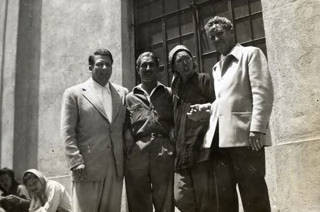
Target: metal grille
(162, 24)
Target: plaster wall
(292, 30)
(9, 14)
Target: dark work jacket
(152, 115)
(21, 205)
(189, 134)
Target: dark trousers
(149, 177)
(194, 188)
(243, 167)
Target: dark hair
(14, 185)
(147, 54)
(102, 52)
(218, 20)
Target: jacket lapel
(216, 72)
(89, 94)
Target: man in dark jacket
(193, 179)
(149, 164)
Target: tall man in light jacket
(92, 125)
(239, 118)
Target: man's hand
(143, 144)
(79, 170)
(256, 140)
(12, 199)
(199, 112)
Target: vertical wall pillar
(27, 86)
(292, 31)
(127, 62)
(9, 16)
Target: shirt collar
(139, 88)
(107, 85)
(235, 52)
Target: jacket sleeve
(69, 119)
(261, 89)
(207, 87)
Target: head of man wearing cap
(181, 61)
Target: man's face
(5, 182)
(222, 39)
(33, 185)
(148, 70)
(101, 69)
(183, 64)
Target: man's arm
(262, 97)
(127, 131)
(262, 91)
(69, 119)
(199, 112)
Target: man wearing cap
(192, 172)
(92, 125)
(149, 163)
(239, 118)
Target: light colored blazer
(244, 97)
(88, 135)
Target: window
(162, 24)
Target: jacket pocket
(241, 122)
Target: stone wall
(9, 13)
(292, 30)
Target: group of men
(187, 146)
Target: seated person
(46, 195)
(14, 197)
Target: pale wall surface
(292, 31)
(9, 11)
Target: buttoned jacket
(244, 97)
(89, 137)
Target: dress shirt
(104, 95)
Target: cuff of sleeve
(75, 162)
(255, 127)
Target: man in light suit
(92, 126)
(239, 120)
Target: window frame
(193, 7)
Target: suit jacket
(244, 97)
(88, 135)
